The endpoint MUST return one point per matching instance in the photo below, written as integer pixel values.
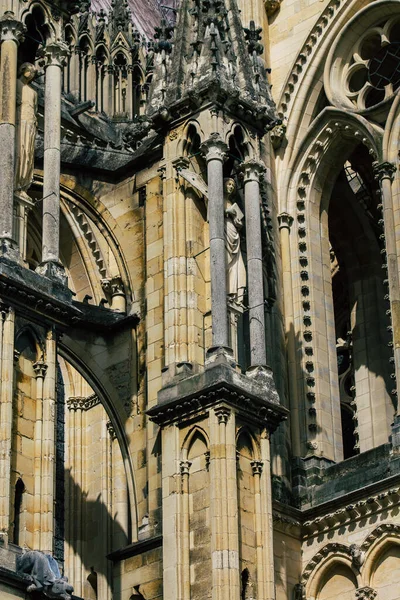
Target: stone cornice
(40, 297)
(219, 384)
(297, 522)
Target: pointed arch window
(120, 85)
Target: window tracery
(362, 72)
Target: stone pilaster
(11, 34)
(252, 170)
(214, 150)
(55, 54)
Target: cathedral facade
(199, 299)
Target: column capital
(185, 467)
(223, 414)
(40, 369)
(111, 431)
(11, 29)
(366, 593)
(285, 220)
(55, 54)
(251, 170)
(214, 148)
(384, 170)
(257, 466)
(181, 163)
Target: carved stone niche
(271, 6)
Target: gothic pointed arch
(315, 171)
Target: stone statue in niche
(25, 134)
(234, 258)
(42, 572)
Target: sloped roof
(146, 14)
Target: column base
(220, 355)
(264, 376)
(9, 249)
(53, 270)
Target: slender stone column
(214, 150)
(185, 469)
(252, 171)
(7, 329)
(267, 530)
(285, 223)
(55, 54)
(384, 173)
(40, 369)
(11, 34)
(257, 467)
(48, 446)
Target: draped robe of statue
(26, 125)
(236, 271)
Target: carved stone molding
(332, 548)
(305, 55)
(83, 403)
(11, 29)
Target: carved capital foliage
(385, 170)
(40, 369)
(366, 593)
(257, 467)
(55, 54)
(285, 220)
(252, 170)
(214, 148)
(11, 29)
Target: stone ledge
(181, 400)
(136, 548)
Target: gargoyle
(42, 571)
